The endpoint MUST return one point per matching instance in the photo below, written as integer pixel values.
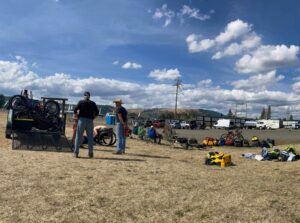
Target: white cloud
(116, 62)
(249, 42)
(165, 74)
(185, 12)
(15, 75)
(131, 65)
(205, 83)
(233, 30)
(267, 58)
(194, 13)
(195, 45)
(164, 13)
(258, 82)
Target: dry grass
(151, 183)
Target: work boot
(75, 155)
(91, 155)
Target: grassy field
(151, 183)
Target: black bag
(182, 140)
(193, 141)
(238, 143)
(272, 141)
(246, 143)
(255, 144)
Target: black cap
(87, 93)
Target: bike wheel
(52, 107)
(17, 103)
(114, 139)
(54, 123)
(106, 139)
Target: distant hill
(105, 109)
(165, 113)
(203, 112)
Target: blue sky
(226, 52)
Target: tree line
(266, 113)
(2, 100)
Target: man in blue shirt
(121, 116)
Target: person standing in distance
(121, 116)
(86, 110)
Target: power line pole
(178, 84)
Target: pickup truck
(185, 125)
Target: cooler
(110, 119)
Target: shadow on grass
(113, 159)
(148, 156)
(135, 154)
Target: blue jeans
(121, 139)
(88, 125)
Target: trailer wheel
(8, 136)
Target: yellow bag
(210, 141)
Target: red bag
(229, 142)
(127, 131)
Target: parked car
(224, 124)
(175, 125)
(193, 124)
(185, 125)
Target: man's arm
(77, 107)
(96, 110)
(121, 119)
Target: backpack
(238, 143)
(265, 144)
(229, 142)
(221, 142)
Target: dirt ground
(150, 183)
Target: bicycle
(45, 117)
(234, 135)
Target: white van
(268, 124)
(224, 123)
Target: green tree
(263, 114)
(230, 114)
(269, 112)
(2, 100)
